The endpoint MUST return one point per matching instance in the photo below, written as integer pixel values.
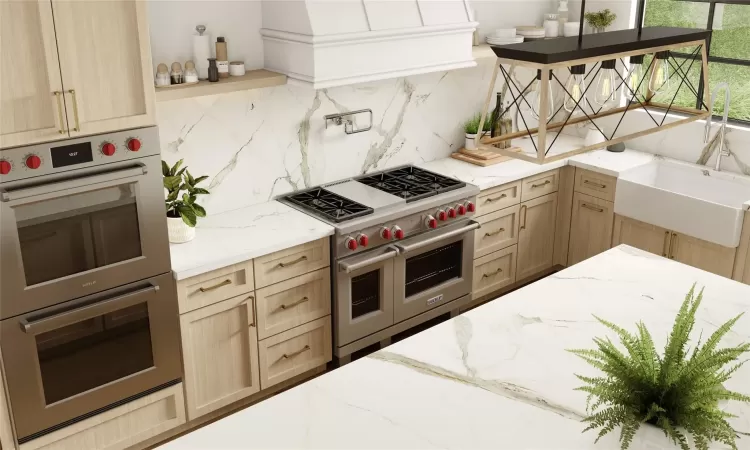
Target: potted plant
(182, 210)
(599, 21)
(471, 128)
(678, 392)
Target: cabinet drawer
(293, 352)
(499, 230)
(494, 271)
(291, 262)
(285, 305)
(595, 184)
(538, 185)
(498, 198)
(215, 286)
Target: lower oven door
(363, 294)
(66, 362)
(433, 268)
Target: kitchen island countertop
(498, 376)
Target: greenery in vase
(472, 125)
(601, 19)
(177, 180)
(677, 392)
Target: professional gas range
(403, 249)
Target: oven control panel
(60, 156)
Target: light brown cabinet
(641, 235)
(591, 227)
(742, 260)
(536, 235)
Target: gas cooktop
(411, 183)
(328, 205)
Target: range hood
(326, 43)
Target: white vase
(179, 231)
(469, 144)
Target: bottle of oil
(501, 122)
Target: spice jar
(551, 26)
(176, 75)
(213, 71)
(162, 75)
(190, 75)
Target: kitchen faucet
(723, 128)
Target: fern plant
(176, 180)
(471, 126)
(601, 19)
(677, 392)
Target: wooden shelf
(482, 51)
(253, 79)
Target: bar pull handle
(493, 233)
(665, 248)
(291, 263)
(494, 199)
(75, 110)
(58, 96)
(593, 208)
(524, 208)
(492, 274)
(599, 185)
(216, 286)
(541, 184)
(673, 245)
(298, 352)
(292, 305)
(250, 298)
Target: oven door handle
(85, 312)
(390, 253)
(434, 239)
(57, 186)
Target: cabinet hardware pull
(492, 274)
(492, 233)
(250, 298)
(599, 185)
(292, 305)
(524, 208)
(540, 185)
(291, 263)
(58, 95)
(593, 208)
(216, 286)
(665, 248)
(494, 199)
(292, 355)
(672, 245)
(75, 110)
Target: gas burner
(328, 205)
(411, 183)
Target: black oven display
(433, 268)
(71, 154)
(365, 293)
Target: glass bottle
(213, 70)
(502, 123)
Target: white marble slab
(235, 236)
(498, 376)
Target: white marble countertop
(235, 236)
(498, 376)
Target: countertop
(498, 376)
(235, 236)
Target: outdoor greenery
(601, 19)
(177, 180)
(678, 392)
(472, 125)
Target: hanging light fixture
(659, 80)
(635, 89)
(605, 83)
(536, 103)
(576, 86)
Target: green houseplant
(599, 21)
(182, 210)
(471, 128)
(678, 392)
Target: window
(728, 49)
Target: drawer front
(539, 185)
(499, 230)
(595, 184)
(494, 271)
(294, 302)
(291, 262)
(215, 286)
(293, 352)
(497, 198)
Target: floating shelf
(253, 79)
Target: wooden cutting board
(482, 158)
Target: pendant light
(536, 103)
(636, 87)
(659, 80)
(605, 83)
(576, 86)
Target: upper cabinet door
(105, 59)
(31, 98)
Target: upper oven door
(433, 268)
(92, 230)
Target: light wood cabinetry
(539, 185)
(220, 352)
(595, 184)
(499, 230)
(291, 262)
(742, 260)
(591, 227)
(494, 272)
(7, 435)
(498, 198)
(640, 235)
(214, 286)
(536, 235)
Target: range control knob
(33, 161)
(431, 222)
(451, 213)
(386, 233)
(470, 207)
(441, 215)
(108, 149)
(134, 144)
(5, 167)
(461, 210)
(363, 240)
(398, 233)
(351, 243)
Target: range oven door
(72, 359)
(84, 231)
(432, 269)
(364, 294)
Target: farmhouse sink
(685, 198)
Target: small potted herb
(471, 128)
(599, 21)
(182, 210)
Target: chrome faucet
(723, 128)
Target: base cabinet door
(536, 235)
(591, 228)
(641, 235)
(704, 255)
(220, 352)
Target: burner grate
(328, 205)
(411, 183)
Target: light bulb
(536, 103)
(659, 80)
(576, 86)
(605, 83)
(634, 89)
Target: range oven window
(72, 234)
(93, 352)
(365, 293)
(433, 268)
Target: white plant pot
(179, 231)
(469, 144)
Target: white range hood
(325, 43)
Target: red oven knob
(108, 149)
(134, 144)
(461, 210)
(350, 243)
(386, 234)
(470, 207)
(441, 215)
(33, 162)
(398, 232)
(431, 222)
(452, 213)
(4, 167)
(363, 240)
